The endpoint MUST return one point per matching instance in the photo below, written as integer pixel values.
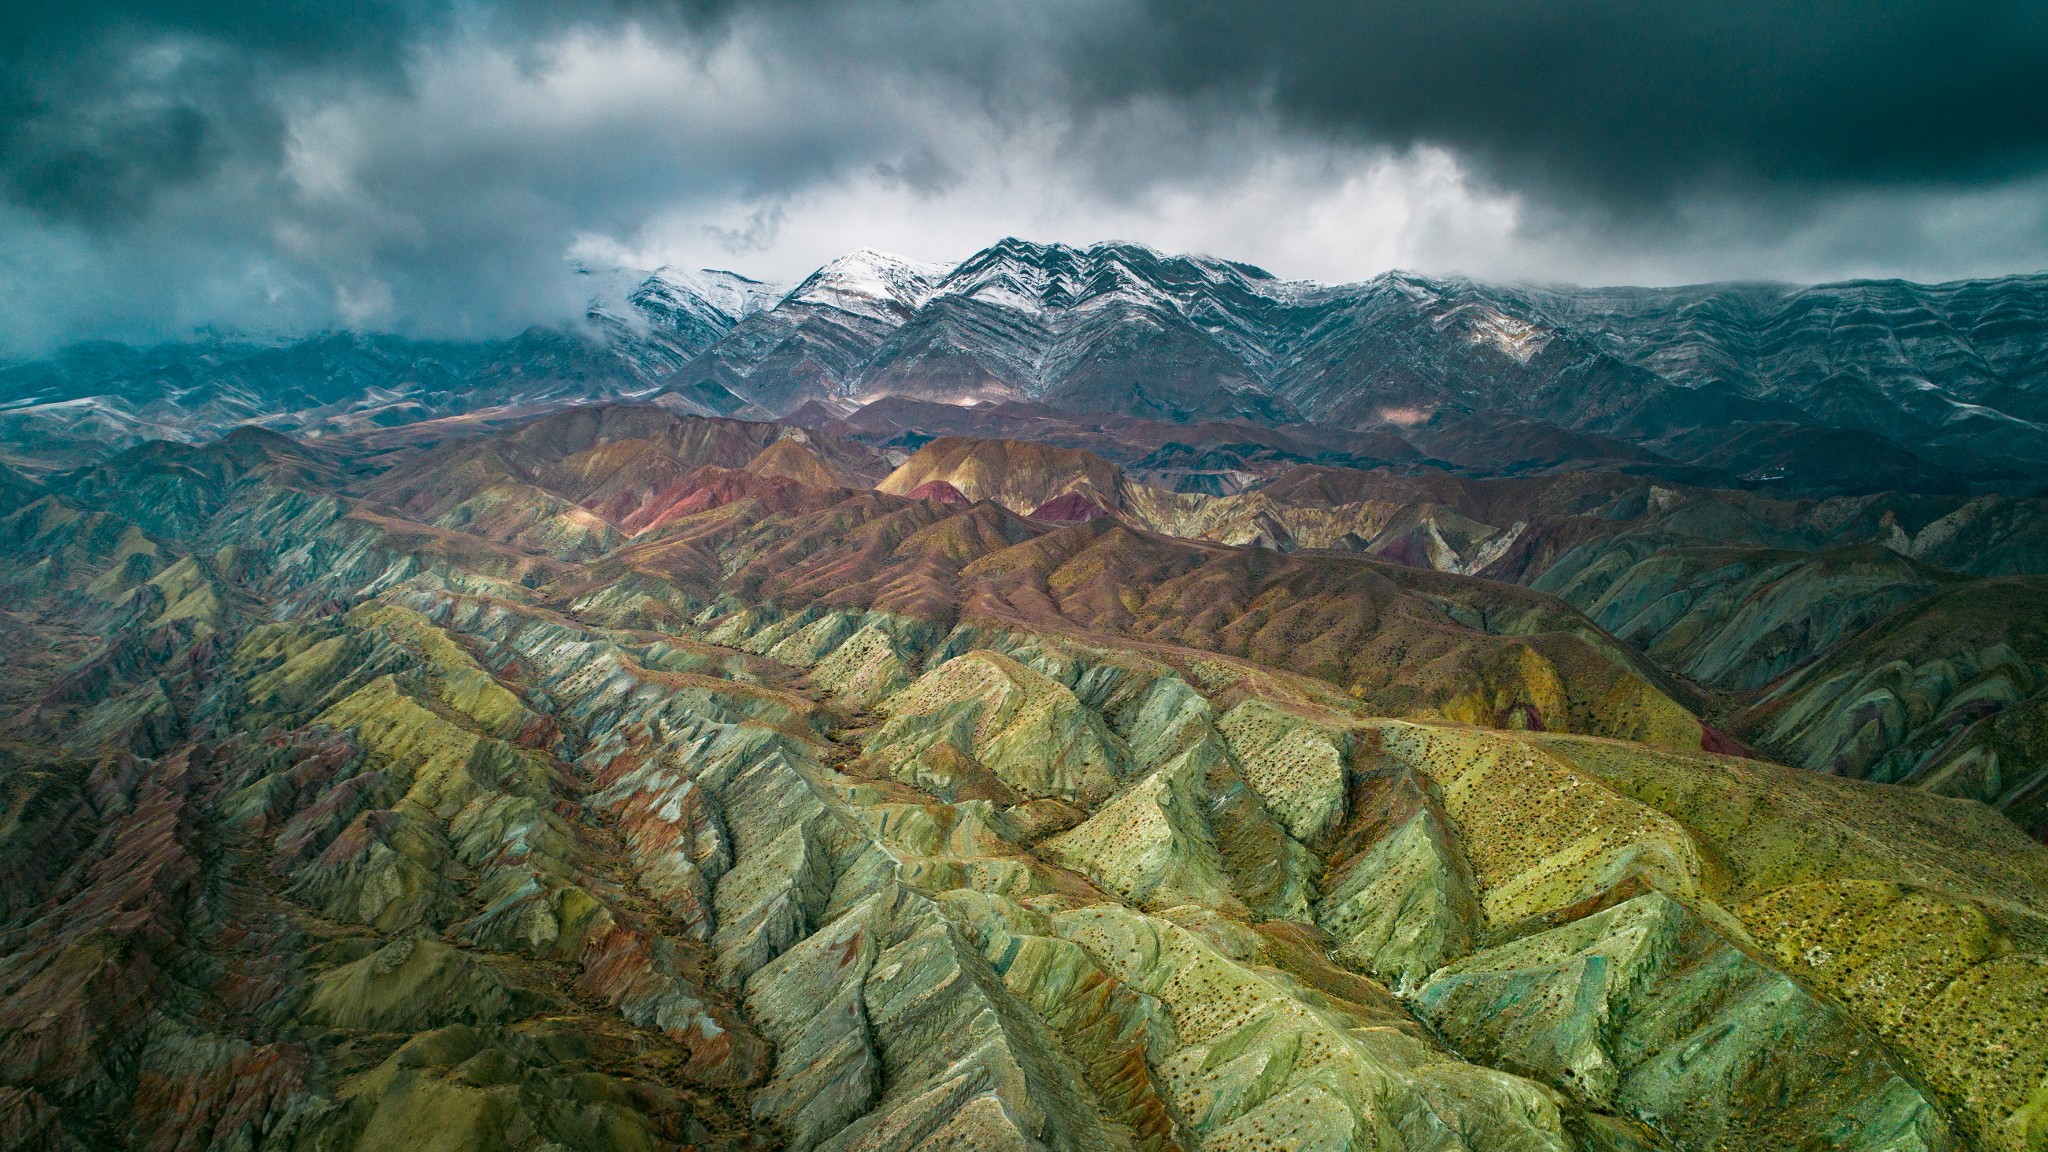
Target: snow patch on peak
(731, 293)
(1028, 276)
(1515, 338)
(658, 320)
(1409, 284)
(1103, 249)
(672, 299)
(870, 283)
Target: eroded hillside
(626, 781)
(1744, 596)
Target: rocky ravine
(816, 818)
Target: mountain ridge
(1733, 375)
(621, 778)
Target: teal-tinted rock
(1645, 1011)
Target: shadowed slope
(828, 818)
(1945, 694)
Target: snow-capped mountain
(1738, 376)
(660, 319)
(878, 285)
(1082, 327)
(809, 345)
(1121, 328)
(640, 327)
(1110, 327)
(1962, 364)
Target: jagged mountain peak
(872, 283)
(1419, 285)
(653, 322)
(1121, 259)
(1034, 277)
(1117, 326)
(735, 295)
(639, 297)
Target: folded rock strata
(851, 821)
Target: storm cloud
(1623, 98)
(439, 167)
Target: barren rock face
(773, 812)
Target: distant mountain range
(1861, 385)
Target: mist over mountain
(1932, 386)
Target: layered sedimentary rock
(1946, 695)
(1747, 596)
(779, 814)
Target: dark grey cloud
(1632, 100)
(102, 105)
(427, 165)
(105, 103)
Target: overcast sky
(434, 168)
